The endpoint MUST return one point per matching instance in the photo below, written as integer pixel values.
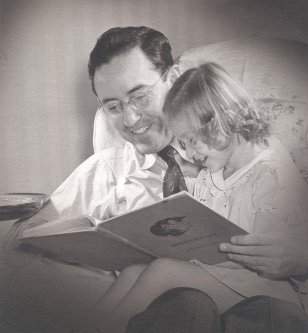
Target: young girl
(243, 179)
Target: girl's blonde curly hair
(218, 106)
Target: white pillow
(104, 134)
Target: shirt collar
(146, 161)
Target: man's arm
(274, 255)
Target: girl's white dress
(269, 183)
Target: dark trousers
(186, 310)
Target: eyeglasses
(139, 100)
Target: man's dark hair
(120, 40)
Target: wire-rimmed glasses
(138, 100)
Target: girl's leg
(164, 274)
(105, 306)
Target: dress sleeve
(278, 198)
(265, 188)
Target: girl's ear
(173, 73)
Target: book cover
(177, 227)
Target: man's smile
(141, 130)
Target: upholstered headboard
(275, 73)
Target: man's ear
(173, 73)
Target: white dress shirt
(113, 182)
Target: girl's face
(196, 148)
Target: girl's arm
(278, 246)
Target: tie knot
(173, 180)
(167, 154)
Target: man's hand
(272, 255)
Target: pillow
(104, 134)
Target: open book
(177, 227)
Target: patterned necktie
(174, 181)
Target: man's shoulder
(127, 154)
(100, 160)
(111, 153)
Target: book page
(179, 227)
(61, 225)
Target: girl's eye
(192, 141)
(182, 144)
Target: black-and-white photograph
(171, 226)
(154, 166)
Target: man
(131, 71)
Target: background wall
(46, 104)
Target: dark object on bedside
(20, 205)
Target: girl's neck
(243, 153)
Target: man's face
(126, 76)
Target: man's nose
(130, 115)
